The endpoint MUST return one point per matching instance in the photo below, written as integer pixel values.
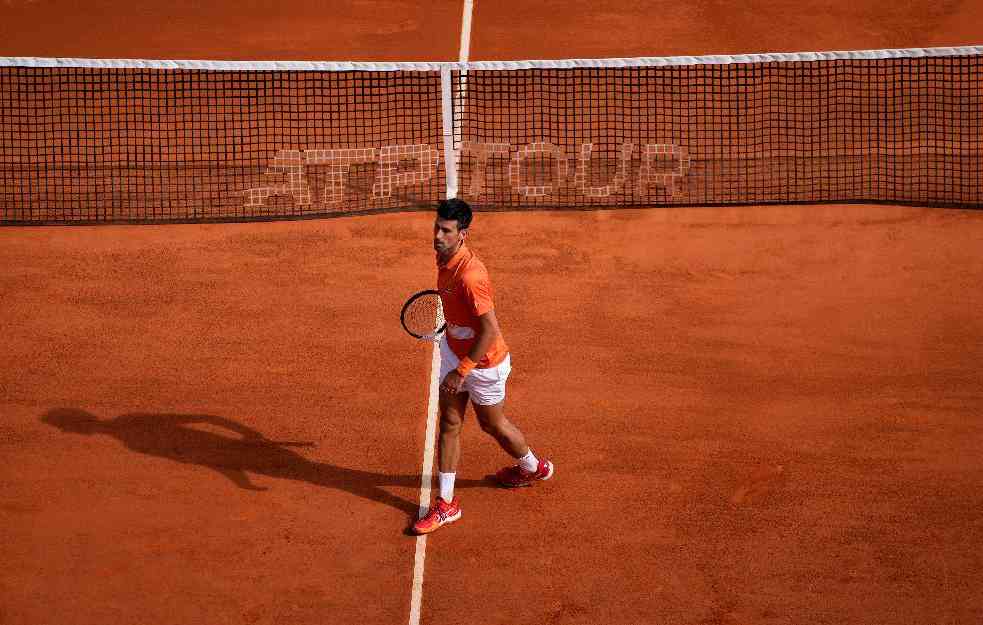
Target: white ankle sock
(446, 485)
(529, 462)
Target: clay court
(758, 414)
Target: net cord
(354, 66)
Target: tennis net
(92, 141)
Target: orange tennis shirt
(466, 294)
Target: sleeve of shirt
(478, 289)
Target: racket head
(423, 316)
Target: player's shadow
(179, 437)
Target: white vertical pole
(447, 114)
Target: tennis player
(474, 364)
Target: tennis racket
(422, 316)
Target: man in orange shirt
(475, 363)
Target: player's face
(446, 237)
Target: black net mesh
(891, 130)
(84, 144)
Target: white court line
(416, 597)
(466, 31)
(426, 477)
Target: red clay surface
(302, 30)
(583, 29)
(396, 30)
(758, 415)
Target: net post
(447, 116)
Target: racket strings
(424, 316)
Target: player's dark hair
(456, 209)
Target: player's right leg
(451, 409)
(446, 508)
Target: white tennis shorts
(486, 386)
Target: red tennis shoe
(441, 513)
(515, 476)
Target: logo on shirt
(461, 333)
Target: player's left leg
(529, 468)
(493, 422)
(487, 390)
